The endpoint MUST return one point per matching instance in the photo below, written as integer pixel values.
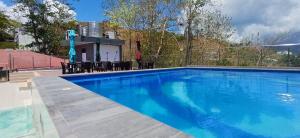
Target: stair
(21, 77)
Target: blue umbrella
(72, 52)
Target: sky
(268, 17)
(85, 11)
(89, 11)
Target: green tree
(152, 18)
(7, 27)
(157, 18)
(123, 13)
(47, 22)
(192, 9)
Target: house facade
(94, 44)
(95, 49)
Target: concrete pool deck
(79, 113)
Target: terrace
(152, 69)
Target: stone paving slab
(80, 113)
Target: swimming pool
(208, 102)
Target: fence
(232, 56)
(26, 60)
(201, 56)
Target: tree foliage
(151, 18)
(213, 24)
(123, 13)
(7, 27)
(156, 20)
(47, 23)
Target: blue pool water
(16, 122)
(209, 103)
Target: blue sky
(89, 11)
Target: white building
(95, 49)
(22, 39)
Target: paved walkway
(75, 112)
(79, 113)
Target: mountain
(291, 41)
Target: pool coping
(262, 69)
(239, 69)
(86, 114)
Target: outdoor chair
(4, 75)
(88, 66)
(98, 66)
(72, 68)
(127, 65)
(107, 66)
(122, 65)
(117, 66)
(79, 68)
(63, 67)
(150, 65)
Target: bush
(5, 45)
(224, 62)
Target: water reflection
(216, 103)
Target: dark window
(83, 50)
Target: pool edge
(291, 70)
(48, 87)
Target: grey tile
(79, 113)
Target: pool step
(19, 77)
(25, 87)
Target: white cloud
(15, 14)
(11, 13)
(268, 17)
(56, 6)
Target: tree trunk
(161, 40)
(189, 43)
(130, 47)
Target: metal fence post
(261, 57)
(238, 57)
(32, 62)
(10, 66)
(13, 63)
(50, 61)
(289, 58)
